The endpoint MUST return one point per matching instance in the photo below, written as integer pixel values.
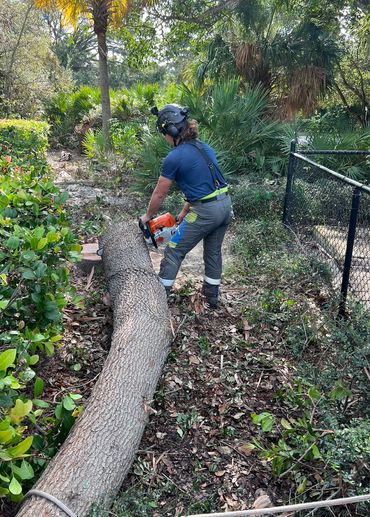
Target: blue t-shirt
(187, 167)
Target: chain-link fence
(331, 213)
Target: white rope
(53, 499)
(289, 508)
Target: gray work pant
(207, 221)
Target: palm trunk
(104, 85)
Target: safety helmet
(171, 119)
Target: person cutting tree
(207, 211)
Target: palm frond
(306, 86)
(252, 65)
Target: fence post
(289, 181)
(356, 198)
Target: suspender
(210, 164)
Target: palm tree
(287, 54)
(102, 13)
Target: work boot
(168, 291)
(211, 293)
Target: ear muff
(172, 130)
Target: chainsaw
(159, 230)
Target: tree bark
(96, 457)
(104, 85)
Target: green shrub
(349, 454)
(134, 103)
(257, 237)
(300, 444)
(65, 110)
(154, 150)
(257, 201)
(235, 123)
(94, 146)
(24, 138)
(320, 134)
(126, 137)
(35, 248)
(173, 203)
(347, 353)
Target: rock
(65, 156)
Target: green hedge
(36, 245)
(26, 139)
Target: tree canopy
(305, 53)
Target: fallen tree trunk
(97, 455)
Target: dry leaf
(246, 328)
(246, 449)
(220, 473)
(149, 409)
(193, 359)
(231, 502)
(89, 280)
(224, 450)
(222, 409)
(168, 464)
(197, 302)
(237, 416)
(263, 501)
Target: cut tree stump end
(90, 258)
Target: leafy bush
(35, 248)
(318, 440)
(347, 352)
(126, 138)
(24, 138)
(349, 453)
(153, 151)
(257, 201)
(173, 203)
(235, 123)
(318, 135)
(301, 444)
(94, 145)
(134, 103)
(257, 237)
(65, 110)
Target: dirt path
(73, 176)
(192, 268)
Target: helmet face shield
(170, 119)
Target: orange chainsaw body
(162, 227)
(162, 221)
